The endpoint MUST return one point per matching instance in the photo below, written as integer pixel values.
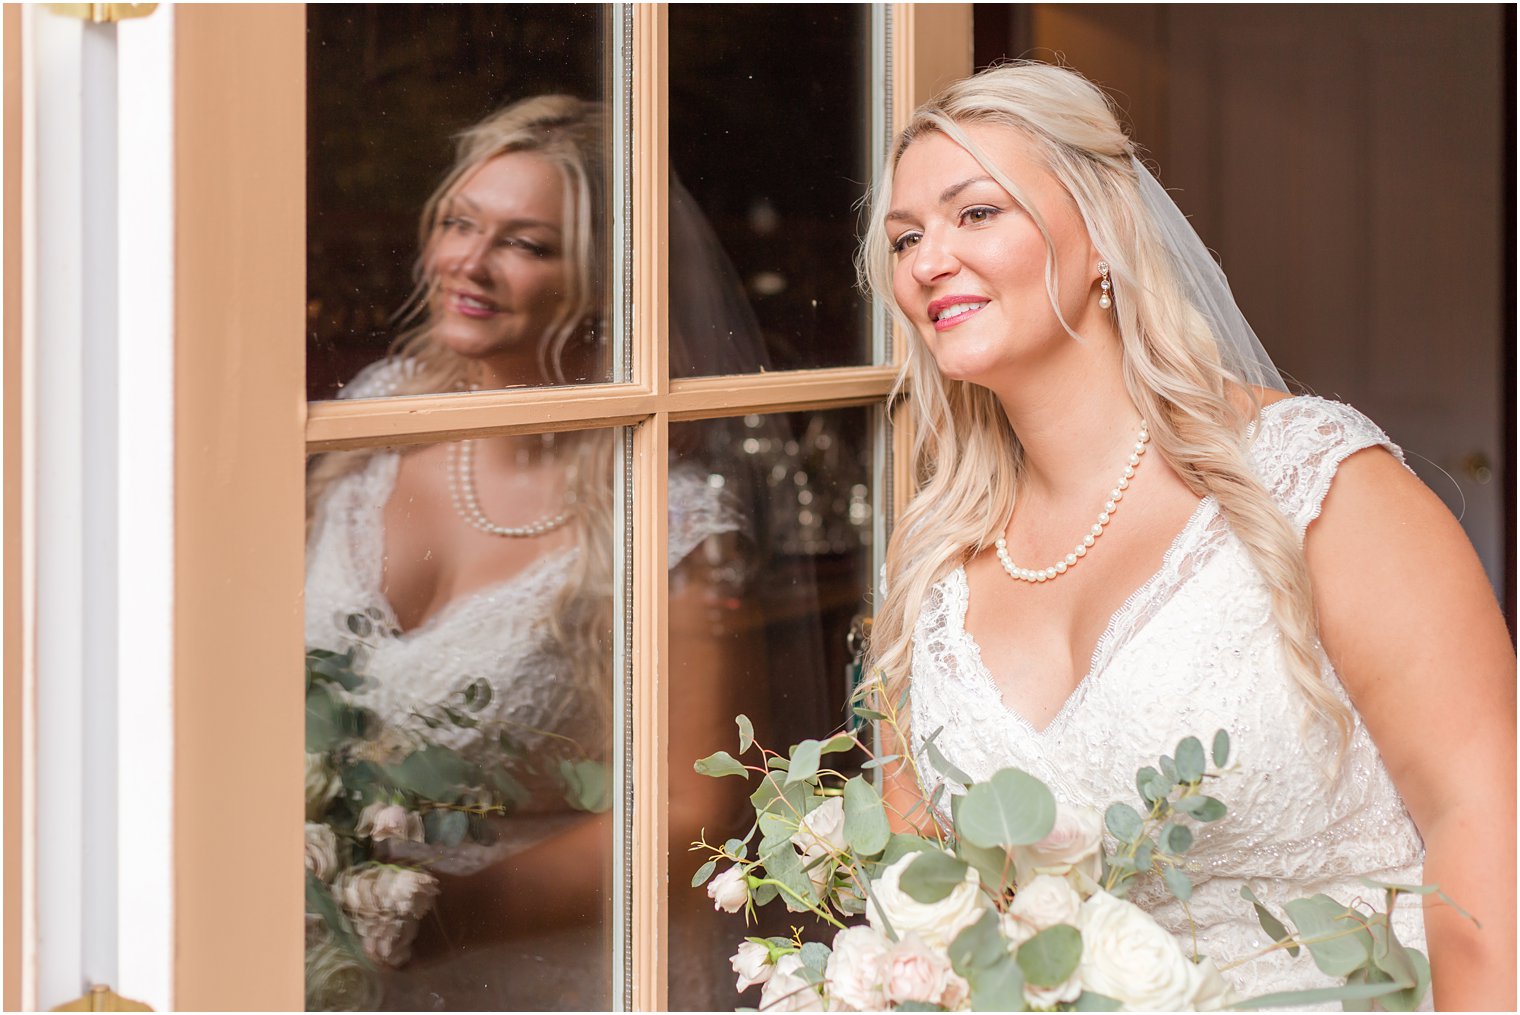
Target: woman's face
(970, 262)
(497, 259)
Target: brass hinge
(103, 999)
(100, 13)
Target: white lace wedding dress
(1194, 650)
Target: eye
(905, 241)
(455, 223)
(978, 214)
(527, 246)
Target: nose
(933, 260)
(466, 257)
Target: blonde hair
(967, 459)
(569, 133)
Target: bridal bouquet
(1014, 906)
(379, 793)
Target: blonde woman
(1126, 532)
(492, 560)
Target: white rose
(381, 821)
(822, 830)
(787, 991)
(1214, 992)
(916, 972)
(386, 904)
(936, 922)
(1045, 901)
(1075, 844)
(321, 850)
(752, 962)
(729, 890)
(1129, 957)
(856, 970)
(322, 784)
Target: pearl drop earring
(1103, 299)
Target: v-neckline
(1102, 649)
(453, 606)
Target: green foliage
(445, 828)
(1335, 936)
(932, 876)
(1090, 1000)
(719, 764)
(433, 773)
(979, 946)
(1123, 821)
(1176, 839)
(1221, 750)
(997, 988)
(1013, 808)
(1201, 808)
(746, 732)
(1048, 958)
(586, 785)
(865, 818)
(1177, 883)
(1190, 761)
(944, 765)
(804, 761)
(1269, 923)
(901, 844)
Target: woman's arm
(1408, 619)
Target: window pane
(770, 543)
(770, 115)
(459, 834)
(458, 198)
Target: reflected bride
(459, 604)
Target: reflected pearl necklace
(1110, 506)
(467, 505)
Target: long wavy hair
(967, 459)
(570, 134)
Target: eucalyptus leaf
(814, 955)
(432, 773)
(866, 766)
(1319, 995)
(1144, 855)
(1048, 958)
(1332, 933)
(1178, 883)
(865, 818)
(1269, 923)
(324, 721)
(1221, 750)
(804, 761)
(1201, 808)
(917, 1006)
(1190, 761)
(445, 828)
(736, 848)
(992, 863)
(777, 763)
(1012, 808)
(507, 788)
(718, 764)
(1410, 998)
(764, 894)
(901, 844)
(746, 732)
(1176, 839)
(1388, 954)
(703, 873)
(783, 864)
(837, 743)
(1091, 1000)
(932, 876)
(868, 713)
(1151, 785)
(586, 785)
(998, 987)
(943, 764)
(1168, 768)
(1123, 820)
(978, 946)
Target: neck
(1073, 417)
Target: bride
(1127, 532)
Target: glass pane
(459, 604)
(458, 198)
(770, 544)
(770, 116)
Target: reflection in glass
(759, 625)
(459, 742)
(487, 124)
(770, 113)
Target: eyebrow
(514, 223)
(947, 195)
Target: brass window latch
(101, 998)
(101, 13)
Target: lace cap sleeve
(379, 379)
(1301, 444)
(698, 510)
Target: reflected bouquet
(1013, 903)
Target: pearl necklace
(462, 491)
(1115, 495)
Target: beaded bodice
(1193, 650)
